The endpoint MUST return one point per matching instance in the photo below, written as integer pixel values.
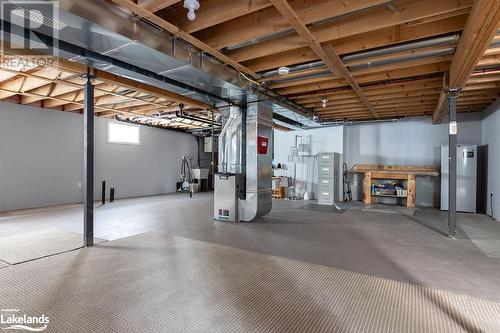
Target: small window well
(123, 133)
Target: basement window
(123, 134)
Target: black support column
(452, 166)
(88, 160)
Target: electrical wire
(250, 79)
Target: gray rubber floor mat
(38, 244)
(159, 283)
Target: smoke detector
(191, 5)
(324, 100)
(283, 71)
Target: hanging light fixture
(191, 5)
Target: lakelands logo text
(13, 319)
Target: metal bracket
(453, 92)
(88, 75)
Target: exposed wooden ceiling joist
(401, 73)
(131, 84)
(325, 53)
(213, 12)
(372, 20)
(481, 26)
(269, 21)
(393, 84)
(156, 5)
(143, 13)
(372, 39)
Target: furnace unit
(243, 189)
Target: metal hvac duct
(244, 164)
(371, 64)
(438, 41)
(231, 145)
(259, 124)
(117, 42)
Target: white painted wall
(41, 159)
(491, 137)
(414, 141)
(323, 140)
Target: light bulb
(191, 15)
(324, 100)
(191, 5)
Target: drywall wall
(322, 140)
(491, 138)
(41, 159)
(414, 141)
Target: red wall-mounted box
(262, 143)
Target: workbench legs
(412, 189)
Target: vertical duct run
(231, 141)
(259, 126)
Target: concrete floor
(412, 249)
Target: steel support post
(88, 163)
(452, 153)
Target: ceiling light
(324, 100)
(191, 5)
(283, 71)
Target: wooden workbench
(395, 172)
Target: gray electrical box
(229, 187)
(329, 178)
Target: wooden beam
(156, 5)
(325, 53)
(46, 87)
(131, 84)
(362, 23)
(141, 12)
(377, 89)
(213, 12)
(269, 21)
(98, 108)
(26, 81)
(481, 27)
(364, 41)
